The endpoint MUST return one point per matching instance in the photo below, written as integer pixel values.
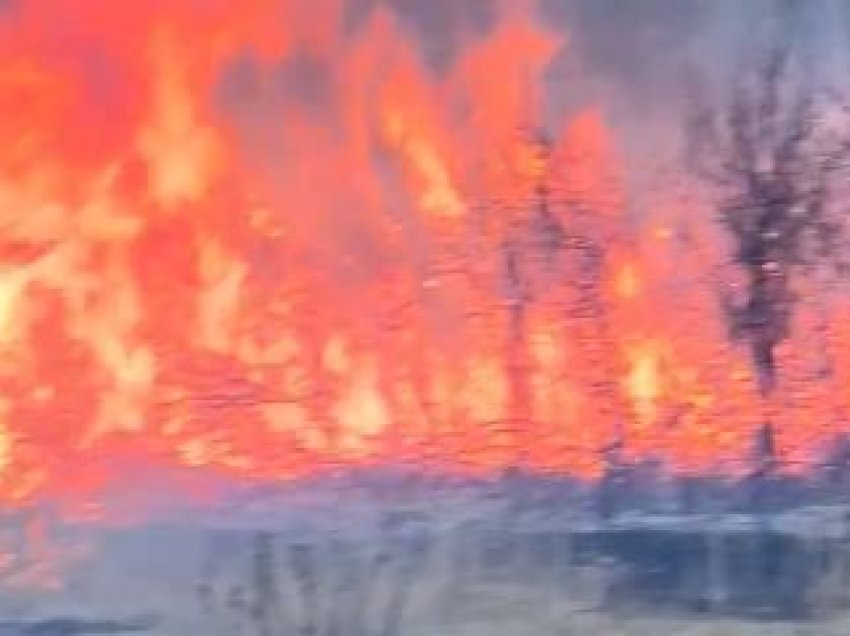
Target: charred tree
(528, 248)
(556, 244)
(774, 153)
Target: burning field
(578, 248)
(278, 239)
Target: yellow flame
(218, 301)
(438, 195)
(181, 153)
(643, 382)
(627, 283)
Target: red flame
(253, 237)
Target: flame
(256, 238)
(643, 383)
(181, 153)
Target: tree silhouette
(774, 152)
(554, 251)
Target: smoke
(636, 61)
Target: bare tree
(554, 251)
(774, 152)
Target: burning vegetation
(272, 240)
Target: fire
(643, 382)
(626, 282)
(254, 238)
(181, 153)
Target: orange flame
(252, 237)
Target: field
(465, 564)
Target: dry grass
(248, 584)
